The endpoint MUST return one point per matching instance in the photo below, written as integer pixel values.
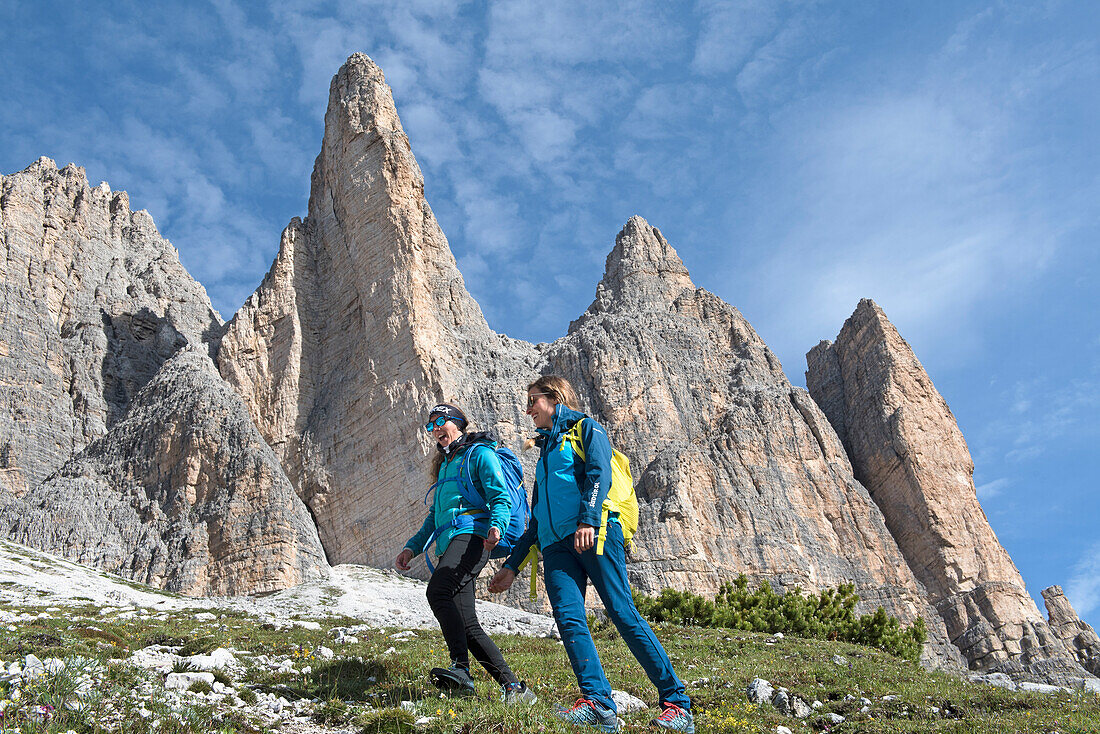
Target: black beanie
(450, 412)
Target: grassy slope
(364, 675)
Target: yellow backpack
(620, 498)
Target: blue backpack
(478, 517)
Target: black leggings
(451, 597)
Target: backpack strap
(479, 511)
(573, 435)
(467, 489)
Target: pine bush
(828, 615)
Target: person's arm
(486, 465)
(416, 542)
(529, 538)
(597, 471)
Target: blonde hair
(559, 388)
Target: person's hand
(403, 559)
(493, 539)
(502, 580)
(584, 538)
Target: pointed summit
(363, 323)
(907, 449)
(642, 269)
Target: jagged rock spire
(907, 449)
(362, 324)
(643, 270)
(1078, 635)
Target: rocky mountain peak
(906, 448)
(642, 269)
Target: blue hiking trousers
(567, 574)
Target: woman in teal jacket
(463, 548)
(566, 516)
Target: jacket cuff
(588, 519)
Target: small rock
(789, 705)
(390, 651)
(205, 617)
(889, 698)
(1091, 685)
(840, 660)
(1039, 687)
(325, 653)
(220, 659)
(834, 718)
(759, 691)
(408, 706)
(183, 681)
(782, 730)
(816, 705)
(627, 703)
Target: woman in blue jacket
(565, 520)
(463, 549)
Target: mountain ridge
(363, 321)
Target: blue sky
(939, 157)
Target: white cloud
(1051, 412)
(933, 197)
(1083, 588)
(730, 31)
(989, 490)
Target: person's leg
(486, 652)
(565, 586)
(452, 574)
(608, 574)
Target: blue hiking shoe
(589, 713)
(674, 718)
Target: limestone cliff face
(182, 493)
(95, 301)
(112, 452)
(361, 325)
(1079, 636)
(363, 322)
(908, 451)
(309, 434)
(739, 472)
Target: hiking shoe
(675, 718)
(455, 680)
(589, 713)
(517, 693)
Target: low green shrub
(829, 615)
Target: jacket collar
(564, 418)
(463, 442)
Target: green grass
(364, 687)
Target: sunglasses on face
(437, 423)
(533, 397)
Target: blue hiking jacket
(567, 490)
(488, 479)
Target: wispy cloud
(923, 194)
(1044, 414)
(1083, 588)
(989, 490)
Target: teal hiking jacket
(447, 503)
(568, 490)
